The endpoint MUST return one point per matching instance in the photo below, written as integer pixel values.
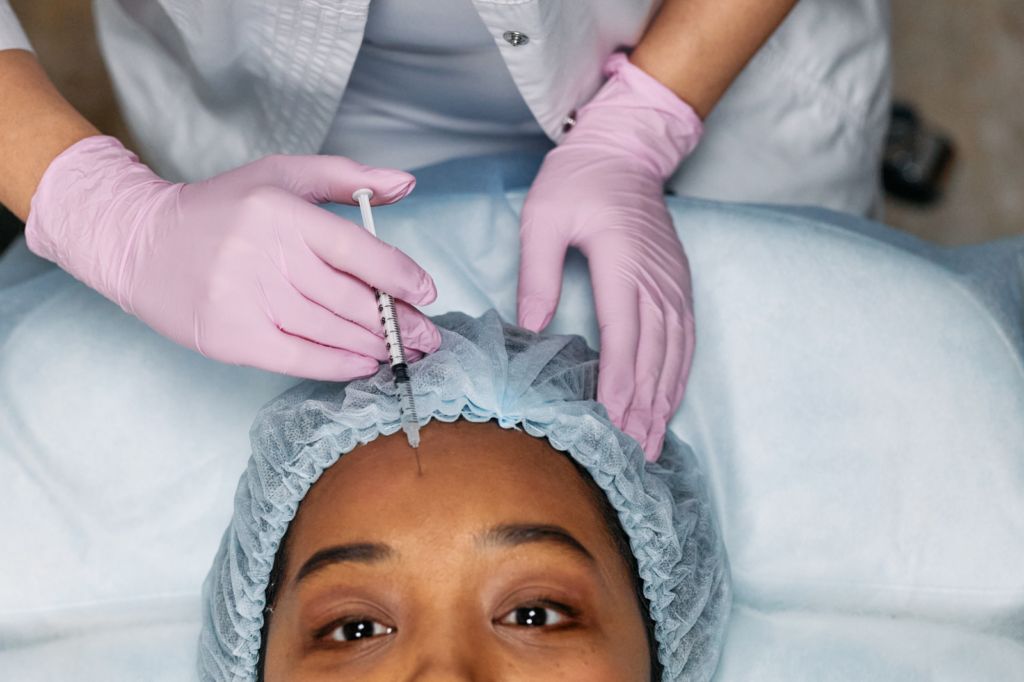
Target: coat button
(569, 122)
(515, 38)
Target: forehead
(473, 476)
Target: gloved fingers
(655, 442)
(665, 407)
(682, 338)
(422, 336)
(299, 357)
(618, 318)
(653, 358)
(322, 179)
(672, 382)
(298, 316)
(352, 299)
(349, 248)
(541, 261)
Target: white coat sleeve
(12, 36)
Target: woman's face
(492, 565)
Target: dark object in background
(10, 228)
(917, 159)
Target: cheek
(626, 661)
(277, 657)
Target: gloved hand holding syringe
(244, 267)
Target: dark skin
(491, 565)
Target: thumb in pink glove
(243, 267)
(602, 190)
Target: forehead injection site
(514, 478)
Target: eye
(535, 617)
(357, 629)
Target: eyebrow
(364, 553)
(515, 535)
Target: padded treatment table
(857, 398)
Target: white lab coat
(207, 86)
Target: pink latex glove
(243, 267)
(602, 190)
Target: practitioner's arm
(36, 125)
(602, 190)
(697, 48)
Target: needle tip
(412, 432)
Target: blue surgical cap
(484, 370)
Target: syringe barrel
(405, 399)
(389, 321)
(396, 352)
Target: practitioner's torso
(429, 84)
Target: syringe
(393, 337)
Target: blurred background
(959, 64)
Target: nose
(450, 665)
(453, 652)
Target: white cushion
(119, 455)
(795, 646)
(858, 409)
(162, 652)
(862, 417)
